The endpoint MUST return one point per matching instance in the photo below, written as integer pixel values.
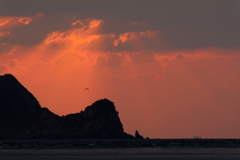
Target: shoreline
(117, 143)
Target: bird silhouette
(86, 89)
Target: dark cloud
(37, 30)
(183, 24)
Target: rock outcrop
(16, 97)
(98, 120)
(138, 136)
(21, 117)
(17, 106)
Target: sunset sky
(171, 67)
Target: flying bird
(86, 89)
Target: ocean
(122, 154)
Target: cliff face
(22, 117)
(17, 105)
(102, 117)
(16, 97)
(98, 120)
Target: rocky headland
(22, 117)
(25, 124)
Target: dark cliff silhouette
(14, 96)
(21, 117)
(138, 136)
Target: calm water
(121, 154)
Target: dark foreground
(152, 149)
(119, 143)
(122, 154)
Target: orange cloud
(78, 22)
(87, 37)
(74, 37)
(10, 22)
(94, 23)
(128, 36)
(7, 23)
(4, 34)
(198, 54)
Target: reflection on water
(122, 154)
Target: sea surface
(122, 154)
